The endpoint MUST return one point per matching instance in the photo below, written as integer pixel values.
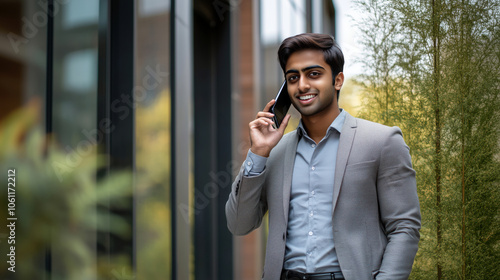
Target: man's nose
(304, 85)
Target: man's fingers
(264, 114)
(268, 105)
(264, 121)
(261, 121)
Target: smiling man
(340, 191)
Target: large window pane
(22, 54)
(75, 71)
(153, 140)
(278, 20)
(74, 118)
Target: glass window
(281, 19)
(23, 28)
(74, 115)
(278, 20)
(153, 139)
(75, 72)
(74, 112)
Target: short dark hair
(331, 51)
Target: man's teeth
(305, 97)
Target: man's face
(310, 83)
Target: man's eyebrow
(304, 69)
(291, 71)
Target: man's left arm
(399, 207)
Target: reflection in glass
(153, 138)
(75, 111)
(75, 72)
(80, 13)
(279, 20)
(79, 68)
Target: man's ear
(339, 81)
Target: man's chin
(307, 112)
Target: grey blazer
(376, 214)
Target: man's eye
(315, 74)
(292, 78)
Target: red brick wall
(248, 259)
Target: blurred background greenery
(153, 220)
(433, 69)
(59, 207)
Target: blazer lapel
(345, 145)
(291, 148)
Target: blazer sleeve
(246, 204)
(399, 208)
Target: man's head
(331, 51)
(313, 65)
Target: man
(340, 191)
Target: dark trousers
(294, 275)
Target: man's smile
(307, 98)
(304, 97)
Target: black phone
(281, 106)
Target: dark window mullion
(115, 84)
(49, 99)
(121, 83)
(173, 194)
(49, 68)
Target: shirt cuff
(254, 164)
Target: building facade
(165, 89)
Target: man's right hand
(263, 137)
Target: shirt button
(249, 163)
(313, 192)
(310, 233)
(311, 214)
(313, 145)
(313, 168)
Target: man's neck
(317, 125)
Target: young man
(340, 191)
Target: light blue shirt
(309, 246)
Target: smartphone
(281, 106)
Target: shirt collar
(337, 124)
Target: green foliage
(152, 196)
(57, 212)
(434, 71)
